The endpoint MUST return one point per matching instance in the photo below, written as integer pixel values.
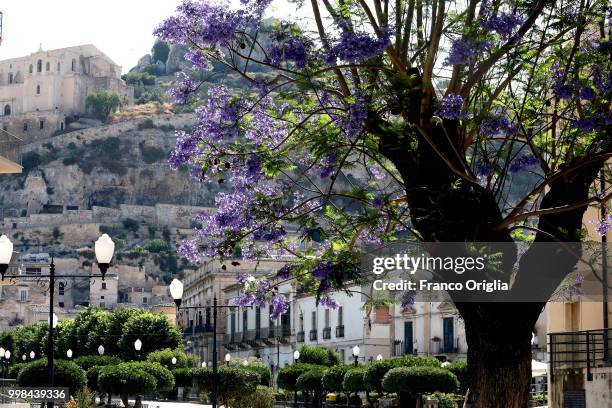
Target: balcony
(313, 335)
(580, 350)
(203, 328)
(10, 153)
(340, 331)
(300, 337)
(326, 333)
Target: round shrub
(233, 382)
(353, 380)
(374, 373)
(415, 381)
(163, 377)
(92, 377)
(66, 374)
(183, 377)
(86, 362)
(310, 380)
(288, 376)
(165, 356)
(333, 377)
(318, 356)
(14, 369)
(460, 369)
(124, 379)
(263, 397)
(416, 361)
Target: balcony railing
(340, 331)
(326, 333)
(10, 152)
(582, 349)
(300, 337)
(313, 335)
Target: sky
(122, 29)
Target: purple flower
(587, 93)
(328, 302)
(503, 24)
(322, 271)
(279, 306)
(189, 249)
(603, 226)
(378, 201)
(522, 163)
(484, 169)
(498, 125)
(292, 48)
(356, 47)
(185, 86)
(407, 299)
(451, 107)
(329, 163)
(284, 273)
(198, 59)
(465, 51)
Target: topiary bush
(183, 377)
(460, 369)
(311, 381)
(233, 383)
(416, 361)
(124, 379)
(319, 356)
(288, 376)
(333, 378)
(163, 376)
(66, 374)
(86, 362)
(165, 356)
(353, 380)
(374, 373)
(262, 397)
(260, 369)
(411, 382)
(92, 375)
(14, 369)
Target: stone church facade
(41, 92)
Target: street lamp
(203, 364)
(296, 355)
(32, 355)
(245, 363)
(69, 353)
(137, 347)
(379, 357)
(24, 358)
(6, 253)
(7, 355)
(176, 291)
(101, 350)
(228, 357)
(173, 360)
(2, 351)
(104, 248)
(356, 355)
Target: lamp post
(296, 357)
(356, 355)
(32, 355)
(2, 360)
(101, 350)
(7, 356)
(228, 358)
(176, 291)
(104, 249)
(137, 347)
(69, 354)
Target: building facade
(41, 92)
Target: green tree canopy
(66, 374)
(103, 103)
(155, 331)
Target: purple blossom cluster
(295, 48)
(328, 164)
(498, 125)
(355, 47)
(184, 88)
(322, 271)
(451, 107)
(603, 226)
(503, 23)
(465, 51)
(407, 299)
(522, 162)
(484, 169)
(353, 122)
(328, 302)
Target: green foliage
(310, 380)
(117, 320)
(161, 334)
(160, 51)
(375, 372)
(29, 161)
(66, 374)
(234, 382)
(30, 338)
(131, 224)
(257, 367)
(262, 397)
(138, 78)
(416, 361)
(460, 369)
(86, 362)
(183, 377)
(125, 379)
(92, 374)
(333, 378)
(90, 329)
(84, 398)
(14, 369)
(419, 380)
(287, 376)
(319, 356)
(156, 246)
(103, 103)
(445, 400)
(163, 377)
(152, 154)
(8, 341)
(353, 380)
(165, 356)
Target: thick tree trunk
(125, 400)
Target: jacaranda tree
(445, 121)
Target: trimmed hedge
(163, 376)
(66, 374)
(333, 378)
(234, 382)
(124, 380)
(287, 376)
(310, 380)
(86, 362)
(165, 356)
(460, 369)
(183, 377)
(353, 380)
(319, 356)
(419, 380)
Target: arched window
(39, 66)
(7, 110)
(61, 288)
(73, 65)
(58, 67)
(25, 126)
(10, 78)
(37, 89)
(31, 68)
(48, 66)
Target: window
(104, 285)
(74, 65)
(10, 78)
(58, 67)
(23, 295)
(61, 304)
(39, 66)
(31, 68)
(327, 318)
(245, 321)
(25, 126)
(7, 110)
(102, 297)
(48, 66)
(61, 288)
(340, 316)
(41, 124)
(31, 270)
(314, 320)
(37, 89)
(448, 335)
(145, 300)
(301, 322)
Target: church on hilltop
(43, 92)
